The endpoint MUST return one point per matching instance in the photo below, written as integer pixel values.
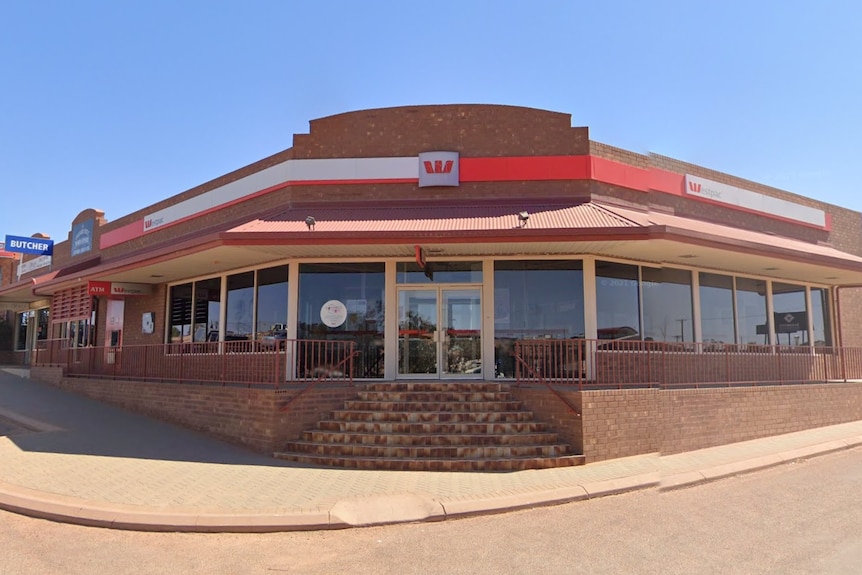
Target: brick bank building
(457, 287)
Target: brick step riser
(454, 465)
(453, 406)
(431, 386)
(433, 417)
(434, 396)
(429, 440)
(441, 428)
(434, 452)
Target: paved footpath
(68, 458)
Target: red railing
(635, 363)
(250, 363)
(584, 363)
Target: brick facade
(613, 423)
(609, 423)
(249, 417)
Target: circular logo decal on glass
(333, 313)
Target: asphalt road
(804, 517)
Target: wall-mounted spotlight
(309, 221)
(522, 218)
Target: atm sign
(118, 288)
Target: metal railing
(634, 363)
(249, 363)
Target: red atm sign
(118, 288)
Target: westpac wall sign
(438, 169)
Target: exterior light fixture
(522, 218)
(309, 221)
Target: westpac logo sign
(150, 223)
(438, 169)
(707, 189)
(747, 200)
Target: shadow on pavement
(56, 421)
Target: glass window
(354, 292)
(751, 311)
(617, 303)
(207, 295)
(181, 313)
(535, 299)
(272, 303)
(821, 317)
(21, 338)
(667, 304)
(42, 323)
(791, 314)
(239, 322)
(439, 272)
(716, 308)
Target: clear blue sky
(116, 105)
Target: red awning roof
(595, 228)
(442, 219)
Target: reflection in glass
(791, 314)
(535, 299)
(271, 305)
(617, 305)
(23, 319)
(821, 317)
(751, 311)
(240, 304)
(716, 308)
(417, 332)
(180, 328)
(667, 304)
(42, 321)
(439, 272)
(462, 340)
(207, 296)
(359, 287)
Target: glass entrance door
(440, 332)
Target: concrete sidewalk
(67, 458)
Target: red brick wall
(7, 272)
(250, 417)
(133, 312)
(11, 357)
(474, 130)
(849, 304)
(611, 424)
(548, 408)
(619, 423)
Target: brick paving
(69, 458)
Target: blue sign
(37, 246)
(82, 238)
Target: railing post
(350, 363)
(842, 364)
(780, 371)
(222, 352)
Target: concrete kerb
(693, 477)
(353, 512)
(375, 509)
(77, 511)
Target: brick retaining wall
(250, 417)
(611, 423)
(624, 422)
